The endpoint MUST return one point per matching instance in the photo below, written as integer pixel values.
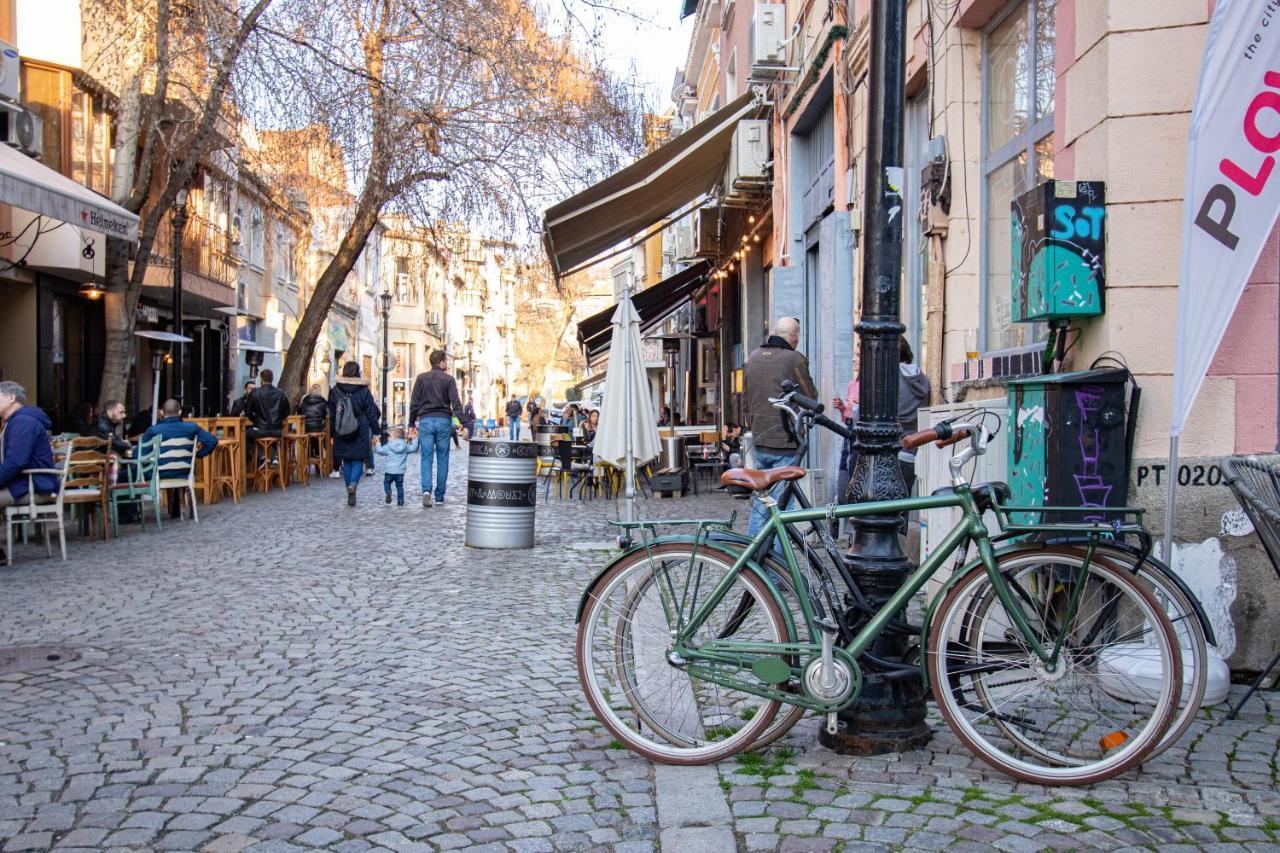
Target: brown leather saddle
(744, 481)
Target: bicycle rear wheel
(647, 699)
(1187, 630)
(1061, 725)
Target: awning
(33, 186)
(653, 305)
(653, 187)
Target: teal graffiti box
(1058, 235)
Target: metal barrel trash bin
(502, 491)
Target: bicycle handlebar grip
(946, 442)
(919, 439)
(807, 403)
(839, 429)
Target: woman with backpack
(354, 420)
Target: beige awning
(33, 186)
(650, 189)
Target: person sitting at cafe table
(266, 409)
(107, 427)
(314, 408)
(590, 427)
(171, 425)
(24, 444)
(240, 403)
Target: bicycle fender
(727, 552)
(955, 578)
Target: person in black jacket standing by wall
(353, 448)
(433, 406)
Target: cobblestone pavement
(292, 674)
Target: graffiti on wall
(1027, 451)
(1058, 243)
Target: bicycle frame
(741, 653)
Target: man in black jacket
(239, 404)
(267, 408)
(772, 362)
(107, 427)
(434, 405)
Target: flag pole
(630, 462)
(1167, 553)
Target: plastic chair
(1256, 486)
(136, 482)
(36, 511)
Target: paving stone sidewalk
(291, 674)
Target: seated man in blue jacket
(171, 425)
(24, 444)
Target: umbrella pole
(626, 415)
(1170, 502)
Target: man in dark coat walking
(434, 405)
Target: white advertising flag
(1233, 185)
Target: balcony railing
(206, 249)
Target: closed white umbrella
(628, 431)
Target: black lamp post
(179, 226)
(889, 715)
(385, 299)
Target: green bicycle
(687, 648)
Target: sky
(652, 40)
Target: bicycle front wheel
(645, 697)
(1071, 723)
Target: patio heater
(385, 299)
(157, 362)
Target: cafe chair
(43, 510)
(86, 485)
(137, 483)
(1256, 485)
(176, 470)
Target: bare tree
(172, 74)
(450, 110)
(545, 315)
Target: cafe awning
(633, 199)
(33, 186)
(653, 304)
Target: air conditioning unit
(683, 231)
(748, 157)
(21, 129)
(706, 232)
(10, 71)
(769, 36)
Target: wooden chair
(319, 450)
(87, 482)
(137, 482)
(269, 464)
(39, 510)
(204, 467)
(294, 450)
(230, 432)
(176, 469)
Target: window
(1017, 153)
(237, 231)
(404, 288)
(257, 236)
(76, 137)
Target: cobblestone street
(292, 674)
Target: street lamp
(179, 225)
(385, 299)
(889, 715)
